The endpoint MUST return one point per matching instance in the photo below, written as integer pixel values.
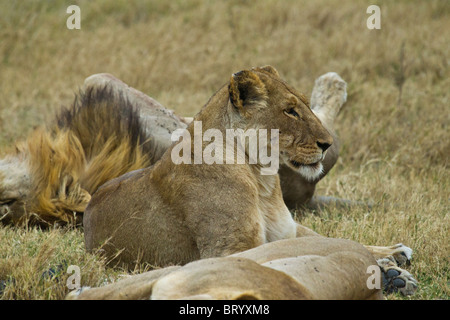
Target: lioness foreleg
(389, 259)
(401, 253)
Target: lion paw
(402, 254)
(396, 279)
(328, 96)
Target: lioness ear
(246, 88)
(268, 69)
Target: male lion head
(51, 176)
(40, 182)
(263, 99)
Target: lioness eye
(291, 112)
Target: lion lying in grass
(52, 175)
(298, 268)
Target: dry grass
(394, 127)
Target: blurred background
(394, 127)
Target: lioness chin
(176, 213)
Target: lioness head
(263, 99)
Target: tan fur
(174, 214)
(299, 268)
(327, 98)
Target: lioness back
(133, 229)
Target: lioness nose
(323, 145)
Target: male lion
(177, 213)
(51, 176)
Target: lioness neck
(220, 114)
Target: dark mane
(97, 114)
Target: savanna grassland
(394, 128)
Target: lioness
(176, 213)
(299, 268)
